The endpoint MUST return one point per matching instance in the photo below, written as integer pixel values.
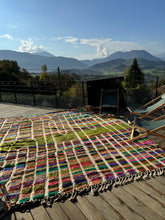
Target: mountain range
(122, 64)
(123, 55)
(33, 62)
(117, 61)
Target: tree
(44, 76)
(134, 77)
(9, 70)
(134, 83)
(44, 68)
(25, 76)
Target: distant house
(94, 89)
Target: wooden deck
(138, 200)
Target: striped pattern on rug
(57, 155)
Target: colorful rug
(61, 155)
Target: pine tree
(134, 76)
(134, 83)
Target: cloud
(100, 44)
(7, 36)
(67, 39)
(107, 46)
(104, 47)
(71, 39)
(29, 47)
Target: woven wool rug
(57, 155)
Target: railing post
(59, 81)
(0, 94)
(156, 94)
(15, 94)
(83, 93)
(55, 93)
(33, 95)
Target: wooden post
(15, 94)
(83, 93)
(101, 100)
(33, 95)
(59, 81)
(0, 94)
(118, 102)
(55, 93)
(156, 94)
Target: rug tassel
(83, 191)
(138, 176)
(116, 183)
(59, 197)
(104, 187)
(125, 180)
(43, 202)
(56, 199)
(146, 175)
(48, 202)
(129, 179)
(150, 174)
(107, 186)
(160, 172)
(154, 173)
(94, 189)
(101, 188)
(73, 196)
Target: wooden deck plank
(89, 210)
(72, 210)
(56, 212)
(40, 213)
(147, 200)
(13, 217)
(103, 207)
(23, 215)
(135, 204)
(156, 184)
(161, 179)
(149, 190)
(126, 212)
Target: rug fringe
(94, 189)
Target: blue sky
(83, 29)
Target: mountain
(131, 55)
(112, 65)
(122, 64)
(117, 61)
(44, 53)
(123, 55)
(161, 56)
(33, 63)
(92, 62)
